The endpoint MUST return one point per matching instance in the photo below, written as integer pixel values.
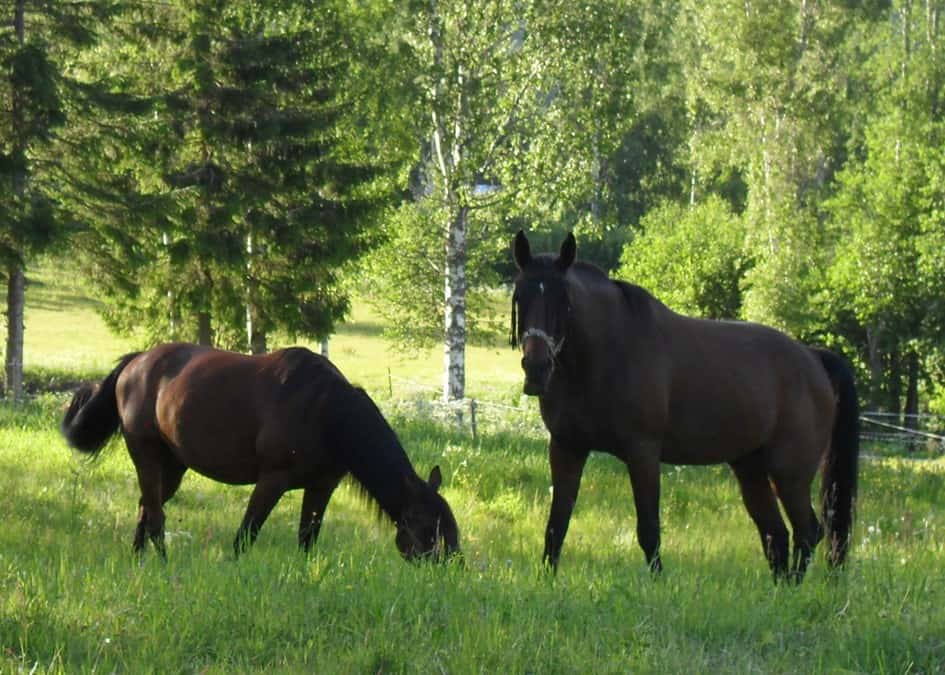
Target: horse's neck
(605, 330)
(385, 475)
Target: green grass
(74, 599)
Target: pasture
(74, 599)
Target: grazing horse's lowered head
(540, 304)
(426, 529)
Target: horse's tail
(92, 417)
(838, 490)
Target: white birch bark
(454, 356)
(255, 337)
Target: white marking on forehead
(541, 287)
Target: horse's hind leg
(762, 506)
(314, 501)
(150, 459)
(172, 473)
(794, 493)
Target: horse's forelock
(542, 279)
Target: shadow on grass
(37, 381)
(43, 296)
(362, 328)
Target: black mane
(363, 441)
(368, 447)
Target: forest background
(234, 173)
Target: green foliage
(783, 288)
(694, 258)
(229, 160)
(404, 279)
(886, 215)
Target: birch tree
(501, 115)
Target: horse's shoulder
(590, 279)
(162, 361)
(295, 355)
(299, 357)
(636, 297)
(294, 362)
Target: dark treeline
(228, 171)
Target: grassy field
(74, 599)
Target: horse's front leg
(269, 488)
(643, 465)
(567, 465)
(314, 502)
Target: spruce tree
(252, 191)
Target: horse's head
(426, 529)
(540, 300)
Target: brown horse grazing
(285, 420)
(615, 370)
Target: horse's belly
(236, 467)
(709, 447)
(214, 436)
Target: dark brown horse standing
(617, 371)
(285, 420)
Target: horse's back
(225, 414)
(140, 382)
(737, 387)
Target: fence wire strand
(477, 414)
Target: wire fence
(913, 433)
(916, 433)
(478, 415)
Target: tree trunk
(876, 368)
(16, 284)
(912, 394)
(324, 347)
(255, 335)
(454, 384)
(894, 384)
(204, 329)
(16, 281)
(173, 320)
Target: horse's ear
(436, 478)
(567, 253)
(521, 250)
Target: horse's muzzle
(537, 376)
(533, 388)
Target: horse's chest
(574, 422)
